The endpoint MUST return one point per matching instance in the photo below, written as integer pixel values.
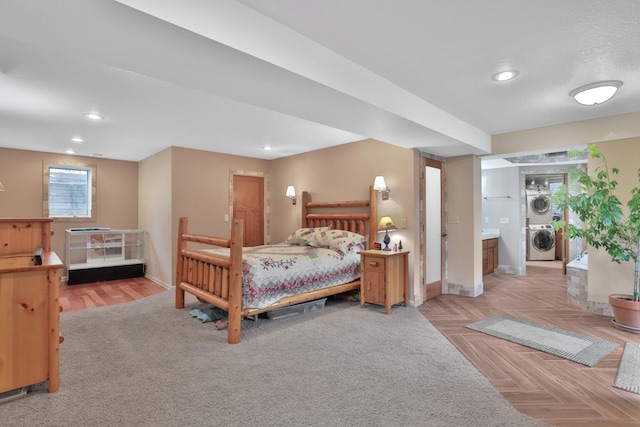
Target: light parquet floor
(545, 387)
(91, 295)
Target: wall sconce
(386, 225)
(291, 193)
(1, 187)
(381, 186)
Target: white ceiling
(232, 76)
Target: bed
(243, 281)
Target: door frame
(434, 289)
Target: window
(69, 191)
(554, 186)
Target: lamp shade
(386, 224)
(379, 184)
(291, 192)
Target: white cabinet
(97, 254)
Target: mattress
(272, 272)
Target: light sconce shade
(386, 224)
(596, 93)
(1, 187)
(381, 186)
(291, 193)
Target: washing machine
(539, 207)
(542, 242)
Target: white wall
(496, 185)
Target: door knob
(444, 234)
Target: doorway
(544, 245)
(248, 204)
(434, 232)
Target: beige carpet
(145, 363)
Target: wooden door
(248, 204)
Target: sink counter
(490, 234)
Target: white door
(434, 231)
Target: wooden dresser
(29, 307)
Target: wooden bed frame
(218, 279)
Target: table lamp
(386, 225)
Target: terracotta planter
(626, 312)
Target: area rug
(559, 342)
(628, 377)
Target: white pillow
(338, 240)
(303, 235)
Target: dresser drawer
(373, 263)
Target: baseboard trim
(465, 290)
(159, 282)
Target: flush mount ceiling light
(93, 116)
(596, 93)
(503, 76)
(78, 140)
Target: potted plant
(607, 223)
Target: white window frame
(91, 194)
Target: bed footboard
(214, 279)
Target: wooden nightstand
(384, 278)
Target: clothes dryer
(539, 209)
(542, 242)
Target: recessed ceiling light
(266, 148)
(69, 151)
(77, 139)
(93, 116)
(596, 93)
(503, 76)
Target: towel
(208, 314)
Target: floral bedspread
(272, 272)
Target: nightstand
(384, 278)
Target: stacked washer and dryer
(540, 235)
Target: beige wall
(200, 189)
(464, 226)
(568, 135)
(604, 276)
(117, 191)
(345, 172)
(154, 215)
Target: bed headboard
(363, 221)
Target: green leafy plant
(605, 222)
